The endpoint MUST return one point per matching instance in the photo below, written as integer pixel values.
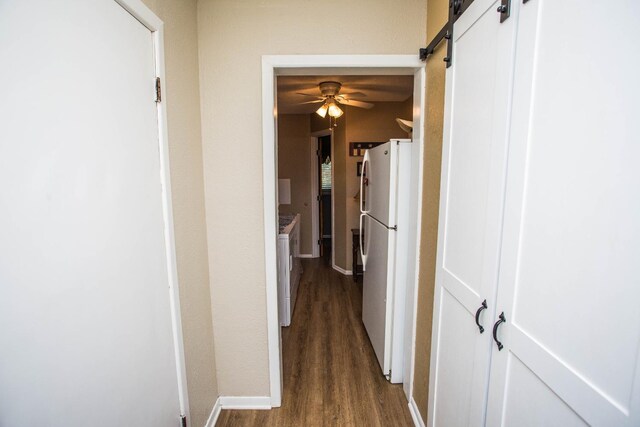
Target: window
(326, 174)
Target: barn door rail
(456, 9)
(442, 35)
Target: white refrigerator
(384, 211)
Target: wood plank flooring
(331, 375)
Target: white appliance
(384, 212)
(289, 266)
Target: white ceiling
(374, 88)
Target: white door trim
(273, 65)
(147, 18)
(315, 203)
(415, 219)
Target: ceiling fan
(330, 98)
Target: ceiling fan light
(334, 110)
(322, 111)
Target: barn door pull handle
(482, 307)
(501, 319)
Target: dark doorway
(324, 180)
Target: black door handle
(482, 307)
(501, 319)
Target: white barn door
(471, 203)
(570, 267)
(85, 315)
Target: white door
(471, 204)
(85, 319)
(570, 267)
(377, 295)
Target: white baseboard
(245, 402)
(343, 271)
(415, 414)
(264, 402)
(215, 413)
(306, 256)
(237, 402)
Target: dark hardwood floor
(331, 375)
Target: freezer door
(379, 183)
(377, 297)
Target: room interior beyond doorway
(385, 98)
(273, 68)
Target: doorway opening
(366, 65)
(322, 207)
(325, 180)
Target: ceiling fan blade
(313, 96)
(352, 94)
(354, 103)
(311, 102)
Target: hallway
(331, 375)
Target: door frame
(279, 65)
(154, 24)
(315, 204)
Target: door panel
(84, 300)
(458, 343)
(471, 207)
(569, 270)
(470, 151)
(376, 297)
(531, 403)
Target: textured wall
(437, 14)
(181, 93)
(294, 162)
(232, 37)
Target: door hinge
(318, 242)
(158, 90)
(505, 10)
(318, 198)
(183, 420)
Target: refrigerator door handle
(362, 178)
(362, 254)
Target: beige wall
(339, 191)
(318, 123)
(437, 15)
(232, 37)
(294, 152)
(181, 93)
(375, 125)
